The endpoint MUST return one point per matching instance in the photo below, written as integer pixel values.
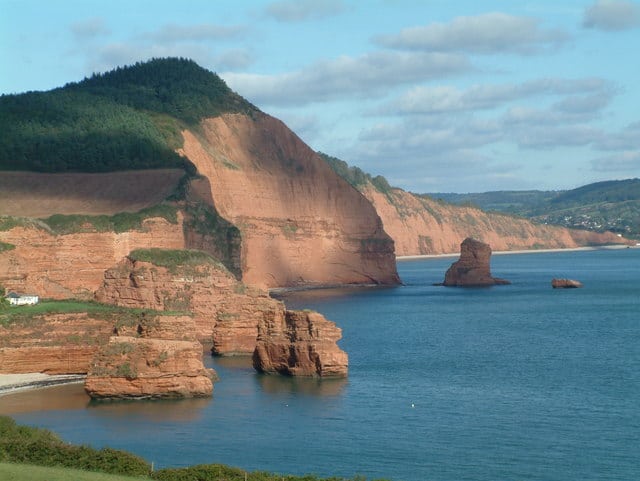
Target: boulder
(472, 268)
(300, 343)
(565, 283)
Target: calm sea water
(518, 382)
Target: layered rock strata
(226, 311)
(53, 343)
(301, 224)
(473, 267)
(161, 358)
(300, 343)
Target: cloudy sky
(436, 95)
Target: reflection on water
(55, 398)
(231, 362)
(165, 410)
(73, 397)
(275, 384)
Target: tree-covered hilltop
(357, 177)
(128, 118)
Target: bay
(509, 382)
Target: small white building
(22, 299)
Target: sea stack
(300, 343)
(472, 269)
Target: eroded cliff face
(226, 312)
(73, 265)
(300, 343)
(236, 319)
(301, 224)
(53, 344)
(160, 358)
(422, 226)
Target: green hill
(602, 206)
(129, 118)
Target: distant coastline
(522, 251)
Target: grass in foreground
(28, 472)
(34, 454)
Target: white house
(22, 299)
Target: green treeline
(357, 177)
(33, 446)
(129, 118)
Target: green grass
(172, 258)
(121, 222)
(28, 472)
(5, 246)
(34, 454)
(122, 314)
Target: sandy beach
(523, 251)
(10, 383)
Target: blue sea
(517, 382)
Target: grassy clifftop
(129, 118)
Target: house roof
(15, 295)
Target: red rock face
(422, 226)
(226, 312)
(473, 267)
(52, 344)
(301, 224)
(73, 265)
(300, 344)
(142, 366)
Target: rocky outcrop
(300, 223)
(160, 358)
(53, 343)
(420, 226)
(225, 311)
(73, 265)
(473, 267)
(565, 284)
(300, 343)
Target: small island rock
(472, 268)
(565, 284)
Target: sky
(435, 95)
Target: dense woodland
(129, 118)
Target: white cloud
(346, 77)
(89, 28)
(488, 33)
(442, 99)
(628, 162)
(626, 139)
(300, 10)
(612, 15)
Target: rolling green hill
(603, 206)
(129, 118)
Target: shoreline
(12, 383)
(522, 251)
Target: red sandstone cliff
(236, 318)
(301, 224)
(225, 310)
(300, 344)
(421, 226)
(160, 358)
